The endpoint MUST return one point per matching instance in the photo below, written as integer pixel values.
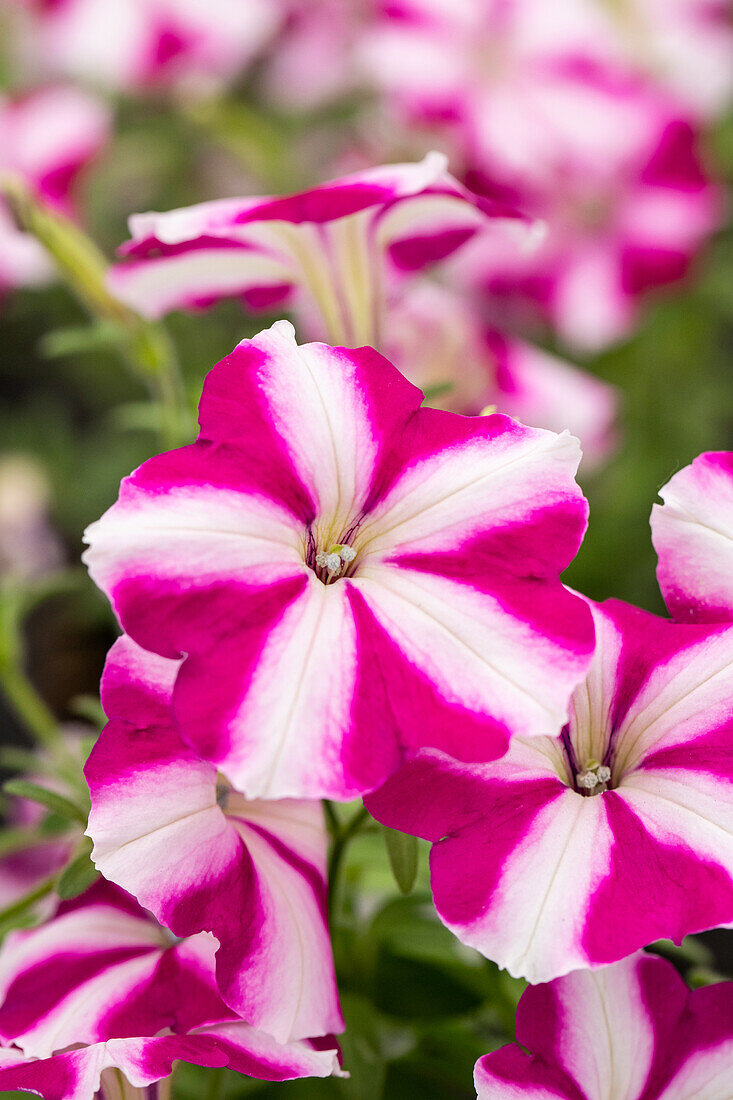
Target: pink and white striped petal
(101, 968)
(439, 339)
(102, 976)
(46, 138)
(231, 1043)
(480, 649)
(49, 136)
(192, 278)
(451, 482)
(545, 391)
(82, 1074)
(331, 242)
(302, 550)
(264, 739)
(633, 1027)
(573, 853)
(144, 45)
(74, 1075)
(202, 858)
(692, 532)
(334, 412)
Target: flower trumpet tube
(330, 248)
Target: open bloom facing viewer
(351, 576)
(575, 851)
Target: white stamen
(603, 773)
(588, 780)
(333, 564)
(333, 559)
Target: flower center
(594, 778)
(587, 774)
(334, 562)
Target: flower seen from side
(330, 249)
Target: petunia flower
(201, 858)
(544, 111)
(349, 576)
(311, 65)
(611, 240)
(508, 85)
(441, 343)
(46, 138)
(685, 44)
(102, 986)
(631, 1030)
(329, 249)
(129, 45)
(692, 533)
(573, 852)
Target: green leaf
(97, 336)
(402, 852)
(78, 875)
(136, 416)
(414, 990)
(55, 803)
(24, 760)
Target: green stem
(145, 346)
(332, 820)
(341, 837)
(38, 719)
(153, 356)
(29, 707)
